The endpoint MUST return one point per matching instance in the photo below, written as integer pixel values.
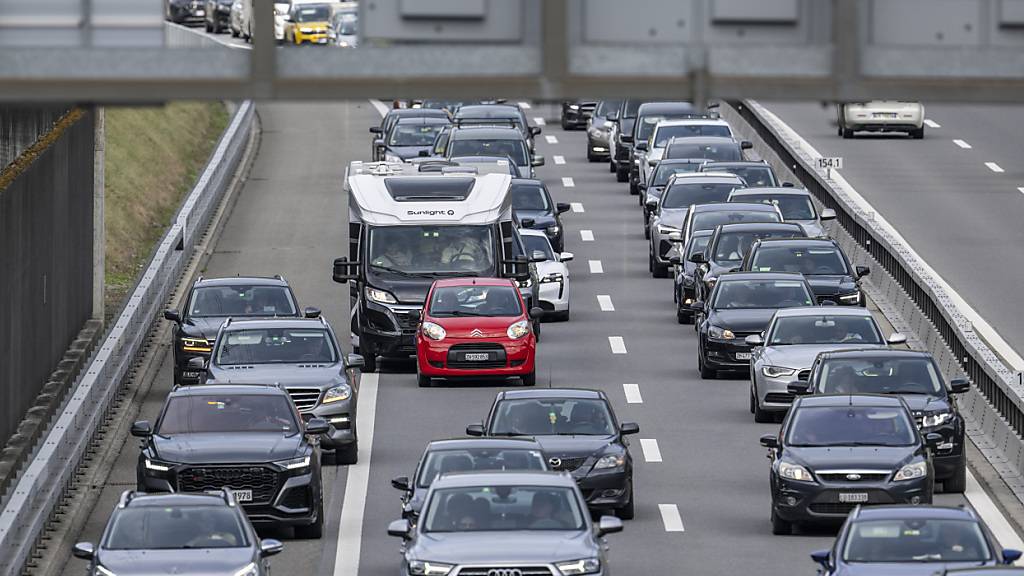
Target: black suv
(208, 533)
(211, 301)
(246, 438)
(820, 260)
(579, 434)
(915, 377)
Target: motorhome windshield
(442, 250)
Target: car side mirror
(198, 363)
(311, 312)
(270, 547)
(896, 338)
(423, 153)
(787, 185)
(698, 258)
(341, 270)
(770, 441)
(355, 361)
(475, 430)
(172, 315)
(641, 146)
(697, 306)
(400, 528)
(562, 207)
(536, 313)
(933, 438)
(84, 550)
(754, 340)
(527, 223)
(821, 557)
(628, 428)
(862, 271)
(798, 388)
(674, 260)
(375, 130)
(652, 163)
(609, 525)
(317, 426)
(535, 130)
(827, 214)
(142, 429)
(959, 385)
(1010, 555)
(536, 160)
(400, 483)
(746, 145)
(652, 204)
(566, 256)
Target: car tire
(753, 402)
(621, 175)
(611, 166)
(847, 133)
(634, 187)
(957, 483)
(780, 527)
(682, 316)
(423, 381)
(917, 134)
(369, 363)
(650, 261)
(659, 271)
(536, 330)
(529, 379)
(647, 231)
(348, 455)
(761, 416)
(705, 372)
(627, 512)
(314, 531)
(559, 316)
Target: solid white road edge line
(596, 267)
(381, 107)
(587, 235)
(670, 518)
(551, 139)
(962, 144)
(992, 516)
(577, 207)
(651, 451)
(994, 167)
(350, 530)
(932, 123)
(559, 160)
(632, 392)
(568, 182)
(618, 344)
(605, 302)
(539, 121)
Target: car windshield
(824, 329)
(212, 413)
(851, 426)
(415, 134)
(606, 107)
(475, 300)
(754, 176)
(916, 540)
(632, 107)
(172, 527)
(682, 195)
(275, 346)
(552, 417)
(665, 133)
(825, 260)
(530, 197)
(502, 508)
(708, 220)
(793, 207)
(740, 294)
(440, 462)
(514, 149)
(649, 124)
(240, 300)
(880, 376)
(697, 245)
(432, 249)
(312, 14)
(733, 246)
(665, 171)
(538, 244)
(725, 152)
(348, 25)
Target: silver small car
(795, 204)
(487, 523)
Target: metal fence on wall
(46, 242)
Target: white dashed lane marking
(577, 207)
(651, 451)
(994, 167)
(671, 518)
(559, 160)
(568, 182)
(539, 121)
(618, 344)
(524, 105)
(632, 392)
(587, 235)
(1021, 189)
(962, 144)
(551, 139)
(932, 123)
(605, 302)
(596, 267)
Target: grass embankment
(153, 157)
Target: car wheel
(536, 329)
(917, 134)
(650, 262)
(780, 527)
(705, 372)
(621, 175)
(611, 166)
(761, 416)
(753, 402)
(683, 317)
(314, 531)
(847, 133)
(647, 231)
(207, 27)
(423, 381)
(559, 316)
(628, 511)
(347, 455)
(659, 270)
(529, 379)
(370, 363)
(957, 483)
(634, 187)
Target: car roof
(692, 121)
(727, 276)
(279, 322)
(419, 112)
(550, 393)
(503, 478)
(670, 161)
(799, 241)
(477, 442)
(229, 390)
(441, 120)
(819, 310)
(774, 191)
(489, 111)
(741, 226)
(704, 140)
(472, 281)
(840, 400)
(666, 107)
(160, 499)
(754, 163)
(520, 182)
(235, 280)
(734, 207)
(706, 177)
(486, 132)
(903, 511)
(874, 352)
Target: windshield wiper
(461, 313)
(510, 434)
(393, 270)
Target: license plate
(200, 13)
(243, 495)
(884, 114)
(477, 357)
(853, 497)
(743, 355)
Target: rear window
(725, 152)
(708, 220)
(210, 413)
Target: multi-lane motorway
(701, 478)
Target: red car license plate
(477, 357)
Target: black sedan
(188, 12)
(820, 260)
(729, 243)
(533, 207)
(742, 304)
(579, 434)
(915, 377)
(684, 291)
(837, 452)
(576, 113)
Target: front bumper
(948, 453)
(184, 375)
(722, 354)
(773, 393)
(604, 489)
(342, 418)
(663, 247)
(554, 296)
(389, 330)
(510, 358)
(597, 142)
(811, 502)
(841, 299)
(319, 37)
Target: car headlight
(300, 463)
(380, 296)
(196, 344)
(573, 107)
(249, 569)
(433, 331)
(553, 230)
(582, 566)
(662, 229)
(518, 329)
(851, 298)
(610, 461)
(794, 472)
(338, 393)
(103, 571)
(421, 568)
(720, 333)
(936, 419)
(912, 471)
(777, 371)
(388, 157)
(157, 466)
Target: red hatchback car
(475, 328)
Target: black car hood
(830, 285)
(407, 152)
(206, 327)
(541, 218)
(511, 546)
(573, 446)
(406, 290)
(227, 448)
(747, 320)
(925, 403)
(851, 457)
(196, 561)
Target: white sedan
(553, 274)
(881, 116)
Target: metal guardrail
(994, 408)
(48, 476)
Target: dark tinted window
(440, 462)
(514, 149)
(665, 171)
(851, 426)
(697, 245)
(175, 527)
(529, 197)
(819, 260)
(725, 152)
(415, 133)
(275, 346)
(708, 220)
(424, 189)
(632, 107)
(733, 246)
(824, 329)
(740, 294)
(682, 195)
(754, 176)
(538, 244)
(665, 133)
(241, 300)
(606, 107)
(552, 416)
(431, 249)
(475, 300)
(916, 540)
(792, 207)
(212, 413)
(314, 13)
(879, 376)
(494, 508)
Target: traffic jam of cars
(456, 259)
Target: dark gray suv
(498, 523)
